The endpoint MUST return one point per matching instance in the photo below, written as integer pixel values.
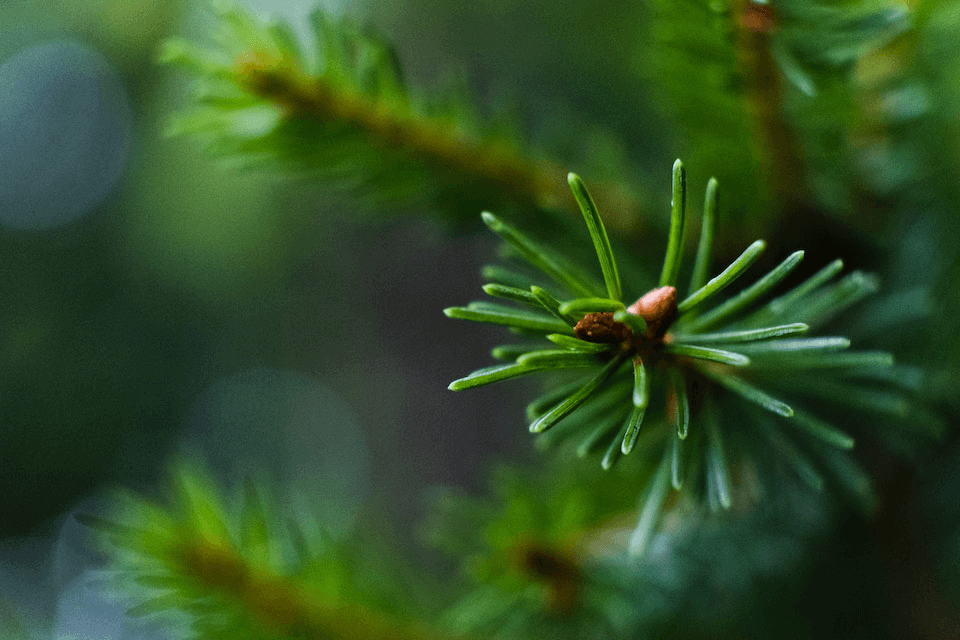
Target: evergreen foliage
(690, 388)
(722, 408)
(246, 572)
(345, 116)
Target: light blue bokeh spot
(65, 130)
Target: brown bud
(658, 308)
(602, 328)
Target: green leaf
(678, 206)
(552, 305)
(679, 404)
(795, 345)
(795, 458)
(717, 471)
(641, 384)
(539, 257)
(747, 335)
(852, 359)
(844, 394)
(831, 301)
(598, 234)
(603, 429)
(202, 508)
(510, 317)
(708, 353)
(779, 305)
(330, 53)
(822, 431)
(676, 461)
(559, 359)
(549, 398)
(652, 503)
(632, 429)
(748, 392)
(701, 266)
(748, 296)
(582, 306)
(511, 293)
(851, 477)
(614, 449)
(576, 344)
(188, 56)
(286, 43)
(489, 375)
(563, 409)
(725, 279)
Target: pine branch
(349, 119)
(228, 571)
(685, 379)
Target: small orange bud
(658, 308)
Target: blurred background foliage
(161, 301)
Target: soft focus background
(152, 301)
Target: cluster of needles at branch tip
(674, 377)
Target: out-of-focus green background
(178, 273)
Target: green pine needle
(717, 470)
(676, 461)
(708, 353)
(563, 409)
(551, 304)
(510, 293)
(650, 513)
(489, 375)
(641, 384)
(558, 359)
(726, 277)
(678, 212)
(680, 404)
(583, 306)
(538, 257)
(510, 317)
(575, 344)
(632, 429)
(749, 392)
(747, 335)
(748, 296)
(701, 265)
(598, 234)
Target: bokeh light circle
(65, 130)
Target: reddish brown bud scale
(658, 308)
(602, 328)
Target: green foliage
(531, 551)
(769, 96)
(345, 117)
(543, 556)
(695, 402)
(704, 385)
(247, 572)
